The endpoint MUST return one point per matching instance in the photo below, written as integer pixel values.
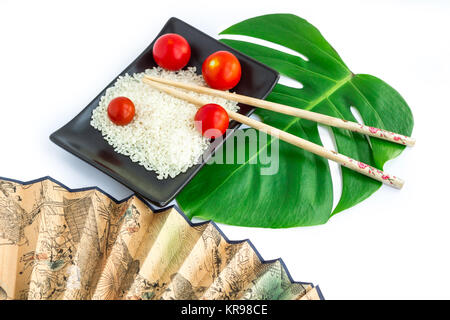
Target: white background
(55, 56)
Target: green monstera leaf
(301, 193)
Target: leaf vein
(318, 74)
(369, 104)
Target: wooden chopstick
(343, 160)
(296, 112)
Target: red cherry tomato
(171, 51)
(211, 120)
(221, 70)
(121, 111)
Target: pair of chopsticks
(365, 169)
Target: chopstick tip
(411, 142)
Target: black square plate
(81, 139)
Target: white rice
(162, 136)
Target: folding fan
(61, 244)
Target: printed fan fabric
(62, 244)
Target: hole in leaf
(265, 43)
(329, 142)
(290, 82)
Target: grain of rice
(162, 136)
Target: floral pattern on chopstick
(379, 133)
(388, 134)
(369, 170)
(385, 134)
